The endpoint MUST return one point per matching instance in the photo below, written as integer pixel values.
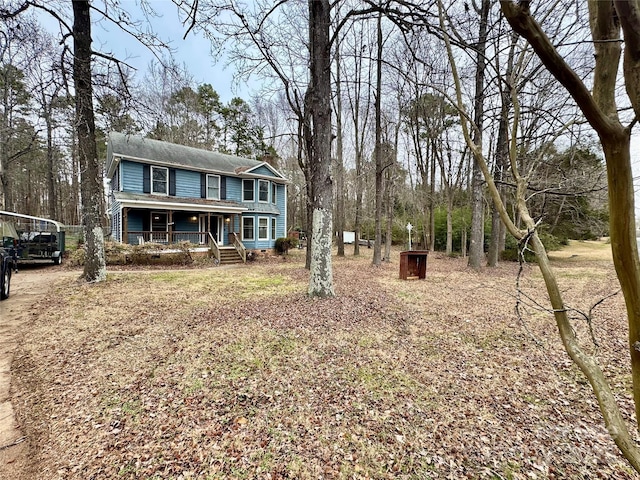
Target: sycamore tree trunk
(91, 181)
(321, 275)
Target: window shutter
(172, 182)
(223, 188)
(203, 185)
(146, 178)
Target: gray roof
(159, 152)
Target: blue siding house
(166, 193)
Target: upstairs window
(274, 190)
(247, 191)
(263, 187)
(159, 180)
(213, 187)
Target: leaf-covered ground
(234, 373)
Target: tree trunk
(502, 154)
(339, 170)
(432, 203)
(449, 250)
(307, 152)
(358, 217)
(91, 181)
(476, 246)
(389, 229)
(321, 275)
(502, 159)
(50, 167)
(377, 246)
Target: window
(274, 190)
(159, 180)
(273, 229)
(247, 228)
(213, 187)
(263, 190)
(247, 190)
(263, 228)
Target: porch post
(170, 225)
(125, 225)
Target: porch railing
(213, 246)
(239, 247)
(166, 238)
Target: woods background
(424, 173)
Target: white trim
(269, 167)
(274, 228)
(207, 186)
(286, 230)
(166, 193)
(266, 238)
(180, 206)
(260, 181)
(253, 220)
(254, 189)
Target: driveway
(28, 287)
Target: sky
(194, 51)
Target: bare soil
(235, 373)
(28, 288)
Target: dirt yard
(28, 289)
(235, 373)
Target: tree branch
(520, 19)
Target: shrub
(283, 244)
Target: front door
(213, 228)
(159, 227)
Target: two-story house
(166, 193)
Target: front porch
(213, 231)
(233, 252)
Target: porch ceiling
(172, 203)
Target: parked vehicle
(34, 239)
(7, 260)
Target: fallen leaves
(176, 376)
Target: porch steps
(229, 256)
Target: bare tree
(91, 185)
(600, 110)
(476, 239)
(49, 95)
(608, 20)
(377, 246)
(339, 162)
(321, 278)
